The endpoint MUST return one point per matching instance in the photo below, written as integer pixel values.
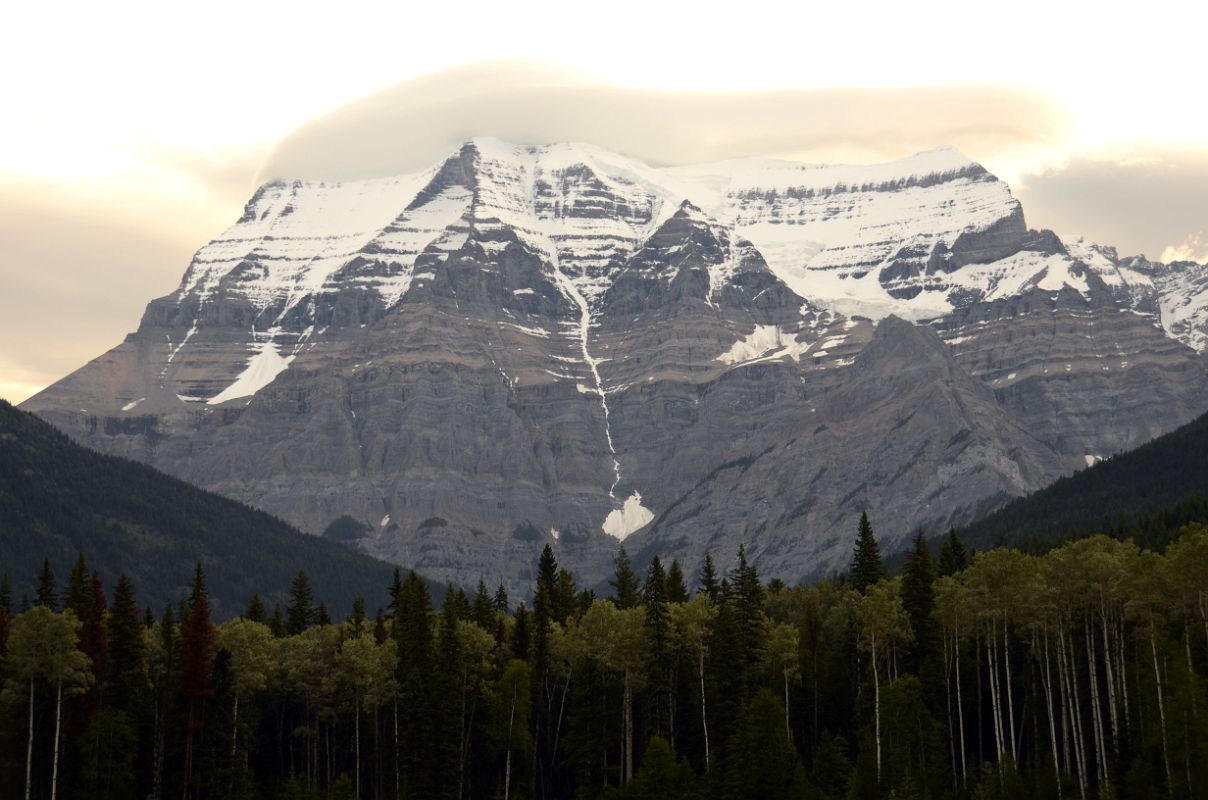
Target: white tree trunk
(704, 718)
(960, 706)
(1006, 654)
(54, 772)
(1157, 674)
(876, 684)
(29, 742)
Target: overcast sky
(134, 132)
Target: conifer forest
(1074, 674)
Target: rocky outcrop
(531, 345)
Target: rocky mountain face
(557, 344)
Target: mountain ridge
(563, 340)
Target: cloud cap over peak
(414, 124)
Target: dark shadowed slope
(1122, 492)
(57, 498)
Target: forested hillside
(58, 499)
(1077, 674)
(1132, 489)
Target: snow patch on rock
(630, 517)
(262, 370)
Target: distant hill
(58, 498)
(1145, 493)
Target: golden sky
(134, 132)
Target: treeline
(1076, 674)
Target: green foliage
(1082, 670)
(624, 581)
(866, 567)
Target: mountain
(558, 344)
(58, 499)
(1142, 487)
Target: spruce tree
(918, 598)
(320, 616)
(624, 582)
(866, 566)
(708, 580)
(48, 592)
(484, 610)
(566, 597)
(127, 668)
(953, 557)
(356, 620)
(522, 639)
(677, 590)
(255, 610)
(196, 663)
(658, 653)
(300, 612)
(501, 599)
(276, 623)
(79, 590)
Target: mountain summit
(532, 344)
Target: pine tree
(255, 610)
(356, 620)
(566, 597)
(501, 599)
(79, 590)
(300, 612)
(708, 580)
(677, 589)
(522, 639)
(321, 617)
(6, 594)
(953, 557)
(395, 590)
(866, 566)
(658, 653)
(127, 669)
(918, 598)
(48, 592)
(418, 697)
(484, 608)
(196, 663)
(624, 582)
(276, 623)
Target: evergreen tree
(918, 598)
(658, 653)
(501, 599)
(413, 639)
(196, 664)
(866, 566)
(79, 590)
(356, 620)
(395, 590)
(276, 622)
(522, 638)
(624, 582)
(255, 610)
(708, 580)
(6, 594)
(953, 557)
(127, 668)
(48, 592)
(484, 610)
(300, 612)
(761, 762)
(677, 589)
(321, 617)
(566, 597)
